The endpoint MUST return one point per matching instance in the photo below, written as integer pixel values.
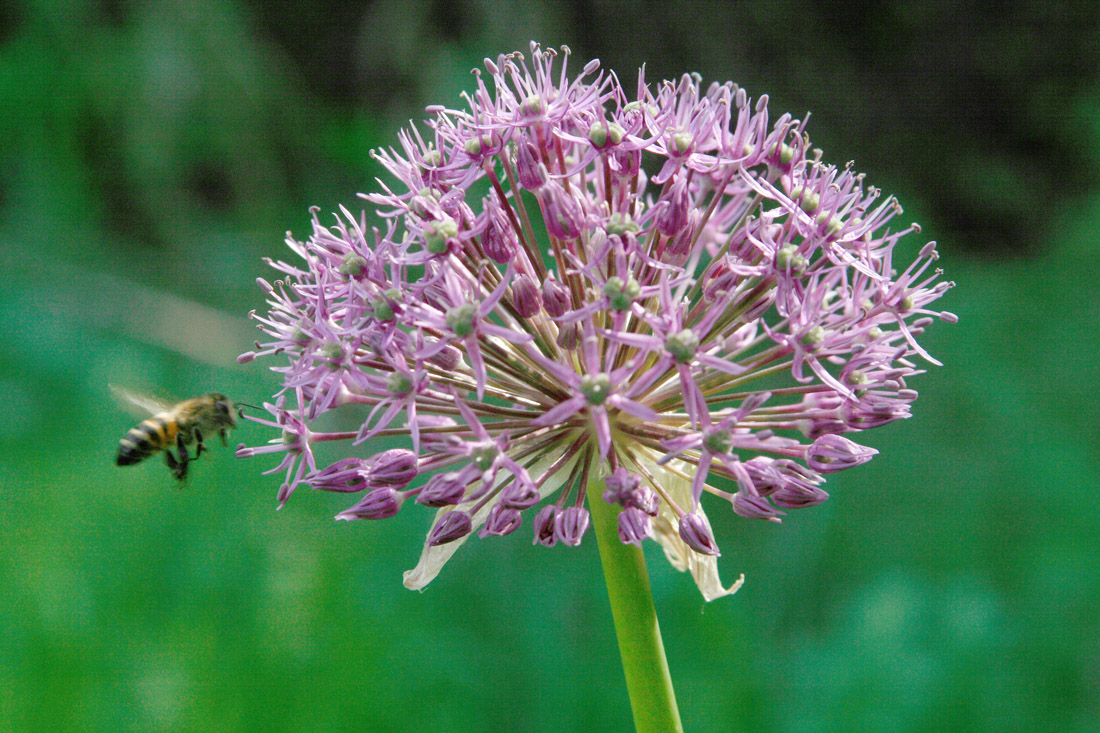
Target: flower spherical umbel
(664, 295)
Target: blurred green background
(152, 153)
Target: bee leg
(199, 445)
(225, 437)
(179, 467)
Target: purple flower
(378, 504)
(696, 534)
(832, 453)
(634, 526)
(545, 522)
(502, 520)
(443, 489)
(449, 528)
(394, 468)
(585, 332)
(571, 524)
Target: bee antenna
(242, 405)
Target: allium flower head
(584, 294)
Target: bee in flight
(175, 426)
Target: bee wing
(141, 404)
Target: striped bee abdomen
(153, 434)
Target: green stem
(647, 678)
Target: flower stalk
(648, 681)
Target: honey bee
(175, 426)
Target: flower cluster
(665, 295)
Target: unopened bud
(570, 525)
(502, 520)
(696, 534)
(634, 526)
(453, 526)
(378, 504)
(544, 526)
(832, 453)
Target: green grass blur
(152, 154)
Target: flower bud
(644, 499)
(571, 524)
(499, 239)
(754, 507)
(796, 497)
(484, 454)
(809, 201)
(555, 297)
(395, 468)
(696, 534)
(532, 173)
(598, 134)
(501, 521)
(442, 489)
(453, 526)
(561, 213)
(673, 216)
(634, 526)
(346, 476)
(378, 504)
(620, 483)
(625, 163)
(873, 413)
(544, 526)
(832, 453)
(679, 247)
(569, 336)
(525, 296)
(448, 359)
(520, 495)
(603, 135)
(431, 159)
